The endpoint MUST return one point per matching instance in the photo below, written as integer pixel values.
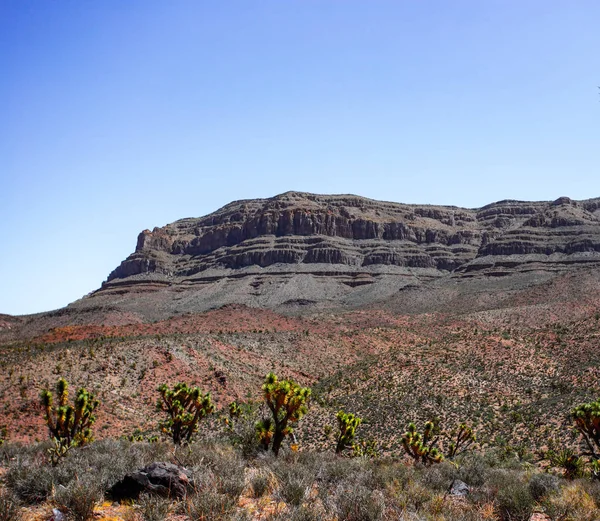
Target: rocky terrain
(395, 312)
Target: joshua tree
(264, 432)
(587, 422)
(423, 446)
(185, 407)
(460, 440)
(68, 425)
(287, 402)
(347, 423)
(235, 410)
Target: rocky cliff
(306, 248)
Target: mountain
(298, 250)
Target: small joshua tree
(347, 424)
(422, 447)
(185, 407)
(287, 402)
(68, 425)
(460, 440)
(264, 432)
(587, 422)
(235, 410)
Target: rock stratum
(297, 249)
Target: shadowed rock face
(357, 241)
(298, 228)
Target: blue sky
(119, 116)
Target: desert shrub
(106, 461)
(153, 507)
(572, 503)
(29, 480)
(337, 470)
(474, 470)
(294, 481)
(386, 473)
(242, 431)
(358, 503)
(308, 512)
(260, 483)
(10, 509)
(32, 478)
(78, 499)
(439, 477)
(593, 489)
(542, 485)
(225, 465)
(230, 481)
(209, 505)
(416, 496)
(513, 498)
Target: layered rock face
(348, 242)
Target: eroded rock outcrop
(292, 240)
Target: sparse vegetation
(517, 391)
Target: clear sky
(119, 116)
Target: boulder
(459, 488)
(165, 479)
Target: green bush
(358, 503)
(30, 480)
(542, 485)
(513, 498)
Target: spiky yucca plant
(264, 432)
(460, 440)
(68, 425)
(422, 447)
(185, 407)
(587, 421)
(347, 425)
(235, 410)
(287, 402)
